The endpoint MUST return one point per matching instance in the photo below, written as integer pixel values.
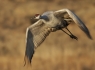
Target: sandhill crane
(50, 22)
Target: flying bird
(48, 22)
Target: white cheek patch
(37, 17)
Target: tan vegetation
(58, 52)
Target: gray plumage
(49, 22)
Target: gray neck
(44, 17)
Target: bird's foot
(73, 37)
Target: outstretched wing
(75, 18)
(35, 35)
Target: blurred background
(59, 51)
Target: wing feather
(36, 34)
(75, 18)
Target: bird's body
(49, 22)
(49, 19)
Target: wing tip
(90, 37)
(27, 61)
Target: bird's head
(37, 16)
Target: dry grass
(58, 53)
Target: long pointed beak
(32, 18)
